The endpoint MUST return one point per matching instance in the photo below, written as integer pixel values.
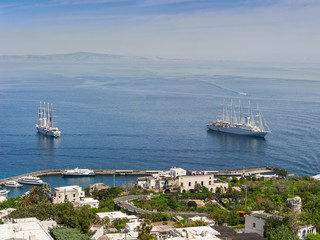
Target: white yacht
(78, 173)
(4, 192)
(31, 180)
(45, 124)
(13, 184)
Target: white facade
(89, 202)
(203, 219)
(186, 183)
(68, 193)
(24, 228)
(200, 233)
(176, 172)
(99, 231)
(254, 223)
(117, 215)
(304, 230)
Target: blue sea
(153, 115)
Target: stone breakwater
(246, 172)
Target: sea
(152, 114)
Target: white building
(5, 212)
(68, 193)
(188, 182)
(176, 172)
(203, 219)
(199, 233)
(254, 223)
(117, 215)
(99, 232)
(26, 228)
(89, 202)
(304, 230)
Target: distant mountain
(81, 57)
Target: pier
(246, 172)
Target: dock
(246, 172)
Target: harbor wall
(236, 172)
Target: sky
(237, 30)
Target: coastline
(246, 172)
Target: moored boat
(30, 180)
(78, 173)
(13, 184)
(4, 192)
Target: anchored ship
(78, 173)
(45, 121)
(242, 124)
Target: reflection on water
(48, 142)
(234, 142)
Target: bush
(63, 233)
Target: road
(124, 202)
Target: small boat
(78, 173)
(29, 180)
(13, 184)
(4, 192)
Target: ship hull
(48, 132)
(31, 183)
(238, 131)
(78, 175)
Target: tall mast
(44, 120)
(48, 119)
(40, 116)
(260, 123)
(227, 119)
(51, 117)
(234, 116)
(223, 110)
(241, 117)
(251, 119)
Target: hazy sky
(259, 30)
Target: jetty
(245, 172)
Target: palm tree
(24, 201)
(46, 189)
(35, 194)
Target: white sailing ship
(242, 124)
(45, 121)
(30, 180)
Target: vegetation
(64, 213)
(63, 233)
(10, 203)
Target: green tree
(46, 189)
(312, 236)
(144, 231)
(282, 173)
(192, 204)
(35, 194)
(282, 232)
(24, 201)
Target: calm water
(153, 116)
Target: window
(209, 182)
(189, 184)
(201, 183)
(182, 184)
(254, 225)
(74, 195)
